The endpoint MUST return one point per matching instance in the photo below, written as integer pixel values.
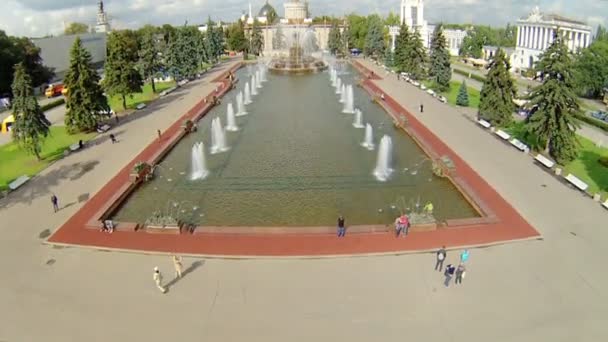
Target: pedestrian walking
(158, 280)
(398, 226)
(159, 134)
(464, 256)
(113, 138)
(177, 263)
(449, 272)
(460, 272)
(441, 254)
(421, 108)
(341, 227)
(55, 202)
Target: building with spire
(295, 22)
(411, 13)
(102, 25)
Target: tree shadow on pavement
(187, 271)
(41, 185)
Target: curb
(291, 257)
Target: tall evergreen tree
(149, 56)
(85, 100)
(440, 69)
(555, 103)
(416, 57)
(374, 39)
(402, 46)
(257, 40)
(334, 40)
(344, 41)
(497, 93)
(220, 42)
(120, 69)
(463, 95)
(236, 38)
(182, 60)
(31, 126)
(278, 38)
(202, 53)
(591, 68)
(211, 41)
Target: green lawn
(586, 166)
(452, 94)
(144, 97)
(15, 162)
(588, 169)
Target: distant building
(294, 26)
(55, 51)
(454, 40)
(102, 26)
(412, 14)
(535, 34)
(489, 51)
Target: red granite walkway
(505, 224)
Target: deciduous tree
(150, 60)
(76, 28)
(120, 69)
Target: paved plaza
(549, 290)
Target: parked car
(415, 83)
(422, 86)
(431, 92)
(140, 106)
(600, 115)
(442, 99)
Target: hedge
(593, 122)
(472, 75)
(53, 104)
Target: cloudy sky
(43, 17)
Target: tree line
(553, 105)
(133, 57)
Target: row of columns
(540, 37)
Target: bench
(576, 182)
(484, 123)
(519, 145)
(544, 161)
(75, 147)
(103, 129)
(504, 135)
(18, 182)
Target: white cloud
(42, 17)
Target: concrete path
(534, 291)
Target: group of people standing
(450, 270)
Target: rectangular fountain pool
(295, 160)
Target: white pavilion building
(535, 34)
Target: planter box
(163, 229)
(423, 228)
